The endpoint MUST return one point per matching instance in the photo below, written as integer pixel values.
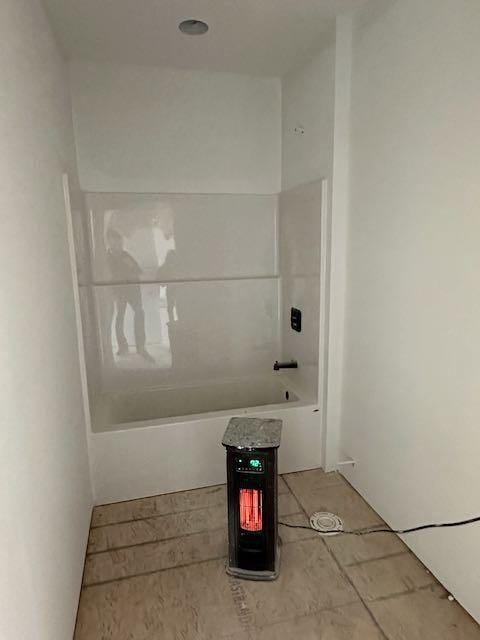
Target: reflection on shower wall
(178, 288)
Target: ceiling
(258, 37)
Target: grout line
(398, 594)
(359, 563)
(309, 614)
(155, 541)
(169, 513)
(175, 537)
(212, 487)
(154, 516)
(344, 573)
(339, 479)
(159, 495)
(178, 566)
(101, 583)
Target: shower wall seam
(126, 283)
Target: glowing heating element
(251, 509)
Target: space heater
(251, 445)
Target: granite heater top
(253, 433)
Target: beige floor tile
(424, 615)
(353, 549)
(288, 504)
(201, 601)
(150, 529)
(155, 556)
(165, 504)
(159, 505)
(181, 591)
(306, 481)
(155, 529)
(156, 549)
(342, 500)
(309, 581)
(282, 487)
(389, 576)
(191, 603)
(352, 622)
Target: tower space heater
(251, 445)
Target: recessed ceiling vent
(193, 27)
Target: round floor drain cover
(327, 524)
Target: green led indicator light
(255, 463)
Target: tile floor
(155, 571)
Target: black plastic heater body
(252, 480)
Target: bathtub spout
(293, 364)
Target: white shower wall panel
(179, 288)
(184, 236)
(216, 329)
(300, 212)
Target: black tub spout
(292, 364)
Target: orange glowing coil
(251, 509)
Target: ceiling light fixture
(193, 27)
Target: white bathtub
(133, 408)
(163, 440)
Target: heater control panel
(249, 464)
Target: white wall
(412, 361)
(336, 231)
(44, 487)
(308, 101)
(145, 129)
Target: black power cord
(459, 523)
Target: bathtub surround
(213, 235)
(206, 293)
(182, 291)
(44, 479)
(188, 327)
(186, 292)
(300, 213)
